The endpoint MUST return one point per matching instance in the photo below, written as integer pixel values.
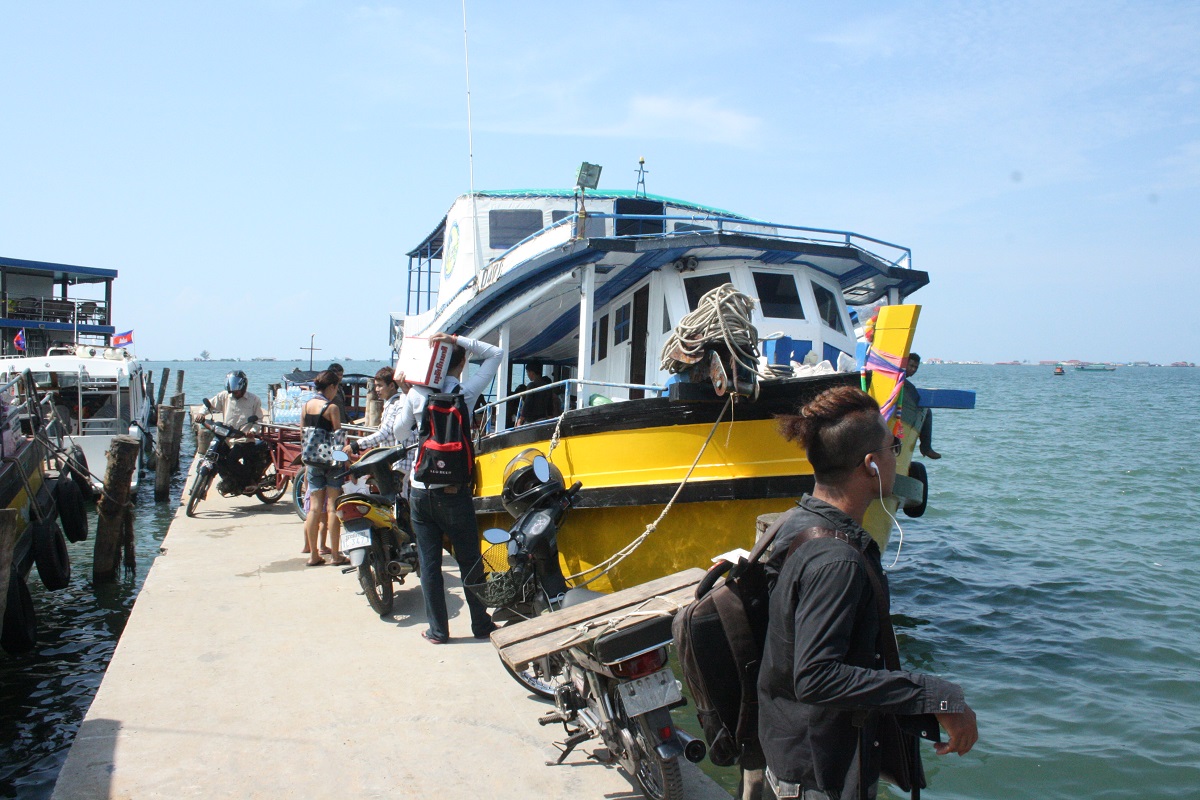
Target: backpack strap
(740, 638)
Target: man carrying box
(445, 509)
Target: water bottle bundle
(288, 402)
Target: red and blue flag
(19, 340)
(121, 339)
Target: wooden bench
(522, 642)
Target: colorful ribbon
(888, 365)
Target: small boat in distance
(1095, 368)
(1058, 370)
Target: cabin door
(639, 334)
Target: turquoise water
(1054, 576)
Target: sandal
(340, 562)
(429, 637)
(320, 563)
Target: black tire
(269, 496)
(78, 467)
(51, 556)
(72, 511)
(917, 471)
(204, 478)
(19, 633)
(374, 579)
(554, 669)
(658, 779)
(299, 489)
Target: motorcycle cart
(284, 441)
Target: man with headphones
(823, 685)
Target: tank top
(318, 421)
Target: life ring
(51, 556)
(72, 511)
(19, 633)
(916, 471)
(78, 467)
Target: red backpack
(445, 453)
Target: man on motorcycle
(248, 457)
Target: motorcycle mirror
(496, 536)
(541, 469)
(340, 456)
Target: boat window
(700, 285)
(506, 228)
(827, 307)
(595, 228)
(600, 339)
(777, 295)
(681, 227)
(638, 227)
(621, 324)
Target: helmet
(528, 478)
(236, 381)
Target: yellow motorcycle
(376, 533)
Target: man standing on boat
(537, 405)
(235, 404)
(830, 679)
(441, 510)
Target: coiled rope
(722, 314)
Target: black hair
(836, 429)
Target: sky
(257, 170)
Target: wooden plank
(10, 530)
(616, 601)
(550, 633)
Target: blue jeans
(436, 514)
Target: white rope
(608, 564)
(722, 314)
(610, 624)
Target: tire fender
(78, 467)
(19, 633)
(916, 471)
(51, 556)
(72, 510)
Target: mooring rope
(608, 564)
(722, 314)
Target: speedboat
(667, 416)
(93, 393)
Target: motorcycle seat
(639, 638)
(373, 499)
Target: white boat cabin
(518, 269)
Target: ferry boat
(591, 285)
(1095, 368)
(95, 393)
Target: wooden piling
(170, 432)
(374, 407)
(113, 506)
(162, 388)
(178, 381)
(10, 529)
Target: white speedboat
(96, 393)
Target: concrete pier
(243, 673)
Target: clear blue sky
(257, 170)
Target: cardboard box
(422, 364)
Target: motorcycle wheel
(271, 476)
(299, 489)
(541, 685)
(204, 477)
(374, 579)
(659, 779)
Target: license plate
(352, 540)
(645, 694)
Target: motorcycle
(616, 687)
(217, 461)
(377, 535)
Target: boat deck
(242, 673)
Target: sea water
(1055, 576)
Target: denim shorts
(324, 477)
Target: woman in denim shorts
(324, 483)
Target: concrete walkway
(243, 673)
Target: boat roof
(68, 272)
(434, 239)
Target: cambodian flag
(120, 339)
(19, 340)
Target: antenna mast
(471, 150)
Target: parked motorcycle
(376, 533)
(616, 687)
(217, 461)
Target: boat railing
(895, 255)
(53, 309)
(498, 421)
